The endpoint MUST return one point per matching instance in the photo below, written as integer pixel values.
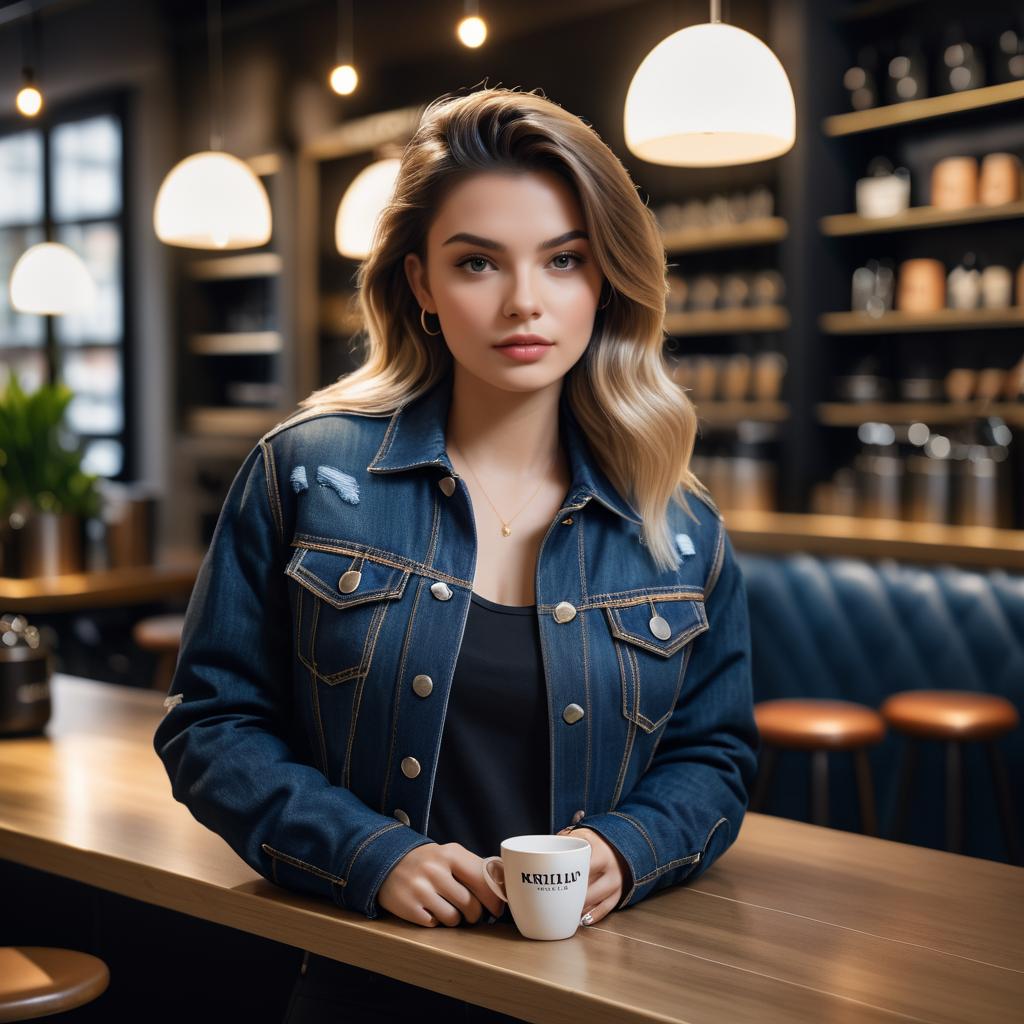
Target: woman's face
(507, 254)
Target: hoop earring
(604, 304)
(423, 323)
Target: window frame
(115, 103)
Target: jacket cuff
(376, 856)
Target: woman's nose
(522, 300)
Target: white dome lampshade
(51, 278)
(212, 200)
(709, 96)
(361, 205)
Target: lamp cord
(213, 35)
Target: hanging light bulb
(708, 96)
(29, 100)
(361, 206)
(344, 78)
(213, 200)
(51, 278)
(472, 30)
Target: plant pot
(49, 545)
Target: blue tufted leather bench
(849, 629)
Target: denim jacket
(305, 716)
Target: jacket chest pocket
(340, 604)
(649, 634)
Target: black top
(493, 772)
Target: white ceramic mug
(545, 883)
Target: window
(62, 179)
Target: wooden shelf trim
(917, 218)
(235, 422)
(723, 413)
(940, 320)
(764, 231)
(857, 537)
(922, 110)
(852, 414)
(728, 321)
(223, 268)
(242, 343)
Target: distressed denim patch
(345, 485)
(298, 479)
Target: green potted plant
(45, 496)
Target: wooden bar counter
(795, 923)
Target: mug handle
(497, 887)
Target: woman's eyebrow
(488, 243)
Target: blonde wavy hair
(640, 424)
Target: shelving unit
(941, 320)
(859, 537)
(723, 414)
(245, 343)
(852, 414)
(918, 218)
(765, 231)
(728, 321)
(922, 110)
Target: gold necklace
(506, 530)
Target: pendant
(506, 530)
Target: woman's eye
(473, 259)
(569, 256)
(473, 262)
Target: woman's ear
(416, 275)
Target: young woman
(473, 590)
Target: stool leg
(904, 788)
(765, 774)
(819, 787)
(1001, 783)
(865, 793)
(954, 797)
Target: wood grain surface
(795, 923)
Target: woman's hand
(608, 873)
(436, 883)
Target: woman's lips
(524, 353)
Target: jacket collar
(415, 438)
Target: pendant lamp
(51, 278)
(361, 206)
(213, 200)
(709, 95)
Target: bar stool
(819, 726)
(954, 717)
(161, 634)
(36, 981)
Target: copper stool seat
(819, 726)
(953, 717)
(36, 981)
(162, 634)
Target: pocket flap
(683, 613)
(320, 572)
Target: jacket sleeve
(686, 810)
(224, 737)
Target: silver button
(349, 581)
(565, 612)
(660, 628)
(441, 590)
(447, 485)
(422, 685)
(410, 767)
(401, 816)
(572, 713)
(578, 816)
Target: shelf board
(722, 413)
(918, 217)
(223, 268)
(857, 537)
(764, 231)
(852, 414)
(922, 110)
(236, 343)
(941, 320)
(232, 422)
(728, 321)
